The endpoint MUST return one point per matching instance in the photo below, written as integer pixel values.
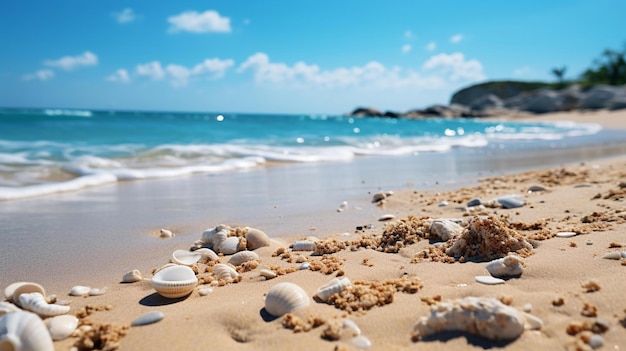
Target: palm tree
(559, 73)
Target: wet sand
(94, 237)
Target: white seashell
(167, 265)
(615, 255)
(305, 265)
(445, 229)
(7, 307)
(334, 286)
(218, 239)
(350, 324)
(303, 245)
(148, 318)
(167, 234)
(132, 276)
(204, 291)
(13, 291)
(267, 274)
(229, 246)
(79, 290)
(566, 234)
(488, 280)
(508, 266)
(61, 327)
(486, 317)
(284, 298)
(386, 217)
(225, 272)
(532, 322)
(96, 291)
(361, 342)
(35, 302)
(243, 257)
(207, 254)
(256, 238)
(208, 235)
(173, 282)
(511, 201)
(24, 331)
(184, 257)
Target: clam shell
(79, 290)
(229, 246)
(256, 238)
(267, 274)
(132, 276)
(488, 280)
(207, 254)
(225, 272)
(61, 327)
(334, 286)
(303, 245)
(35, 302)
(24, 331)
(243, 257)
(13, 291)
(173, 282)
(184, 257)
(284, 298)
(147, 318)
(508, 266)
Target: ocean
(47, 151)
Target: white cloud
(151, 69)
(125, 16)
(523, 71)
(43, 75)
(455, 39)
(432, 46)
(408, 34)
(120, 76)
(406, 48)
(195, 22)
(455, 67)
(69, 63)
(179, 75)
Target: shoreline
(230, 317)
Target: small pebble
(148, 318)
(443, 204)
(361, 342)
(596, 341)
(204, 291)
(386, 217)
(589, 242)
(305, 265)
(166, 233)
(528, 308)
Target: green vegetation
(559, 73)
(610, 69)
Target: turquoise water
(45, 151)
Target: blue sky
(288, 56)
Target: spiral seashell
(229, 246)
(334, 286)
(218, 239)
(61, 327)
(13, 291)
(207, 254)
(24, 331)
(303, 245)
(242, 257)
(509, 266)
(256, 238)
(132, 276)
(174, 282)
(35, 302)
(225, 272)
(184, 257)
(285, 297)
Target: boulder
(366, 112)
(486, 102)
(544, 101)
(600, 97)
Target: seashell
(350, 324)
(225, 272)
(79, 290)
(173, 282)
(243, 257)
(229, 246)
(267, 274)
(532, 322)
(132, 276)
(442, 204)
(334, 286)
(474, 202)
(209, 234)
(379, 197)
(184, 257)
(535, 188)
(566, 234)
(386, 217)
(13, 291)
(167, 234)
(361, 342)
(207, 254)
(284, 298)
(167, 265)
(305, 265)
(96, 291)
(486, 317)
(256, 238)
(508, 266)
(511, 201)
(615, 255)
(445, 229)
(61, 327)
(35, 302)
(147, 318)
(218, 239)
(24, 331)
(303, 245)
(488, 280)
(7, 307)
(205, 291)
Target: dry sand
(586, 198)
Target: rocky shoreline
(509, 98)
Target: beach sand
(585, 197)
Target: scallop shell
(488, 280)
(243, 257)
(225, 272)
(173, 282)
(147, 318)
(24, 331)
(207, 254)
(184, 257)
(35, 302)
(13, 291)
(229, 246)
(79, 290)
(334, 286)
(509, 266)
(256, 238)
(303, 245)
(132, 276)
(61, 327)
(284, 298)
